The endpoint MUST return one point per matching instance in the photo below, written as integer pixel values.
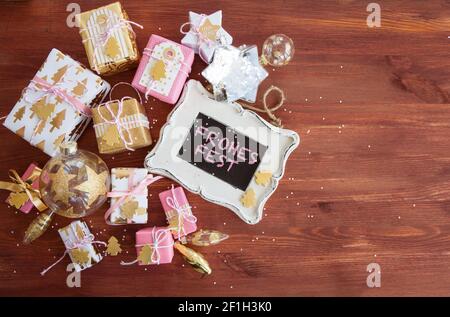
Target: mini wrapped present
(205, 34)
(79, 243)
(154, 246)
(109, 39)
(121, 125)
(178, 212)
(163, 70)
(56, 105)
(129, 195)
(24, 187)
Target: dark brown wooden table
(369, 183)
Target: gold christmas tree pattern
(131, 208)
(112, 48)
(80, 256)
(158, 71)
(113, 247)
(57, 121)
(145, 256)
(56, 78)
(80, 88)
(18, 115)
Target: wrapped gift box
(205, 34)
(158, 242)
(178, 212)
(31, 176)
(78, 240)
(121, 125)
(163, 70)
(109, 39)
(56, 105)
(134, 209)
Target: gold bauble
(74, 183)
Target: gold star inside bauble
(94, 186)
(248, 199)
(60, 184)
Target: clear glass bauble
(278, 50)
(74, 183)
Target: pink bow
(122, 127)
(99, 41)
(40, 84)
(87, 240)
(182, 212)
(122, 195)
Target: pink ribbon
(183, 213)
(87, 240)
(122, 195)
(158, 237)
(100, 40)
(42, 85)
(202, 39)
(122, 127)
(184, 68)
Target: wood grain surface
(369, 183)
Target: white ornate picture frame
(266, 149)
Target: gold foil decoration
(23, 187)
(209, 30)
(263, 178)
(37, 227)
(207, 237)
(145, 255)
(58, 120)
(94, 186)
(112, 61)
(248, 199)
(108, 137)
(158, 71)
(80, 256)
(19, 114)
(113, 247)
(194, 258)
(60, 184)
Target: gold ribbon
(19, 185)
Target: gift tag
(230, 156)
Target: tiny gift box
(121, 125)
(109, 39)
(133, 208)
(178, 212)
(205, 34)
(31, 176)
(79, 243)
(163, 70)
(56, 105)
(154, 246)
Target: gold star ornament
(60, 185)
(94, 186)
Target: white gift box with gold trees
(56, 105)
(79, 243)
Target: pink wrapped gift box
(161, 242)
(26, 208)
(178, 212)
(163, 70)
